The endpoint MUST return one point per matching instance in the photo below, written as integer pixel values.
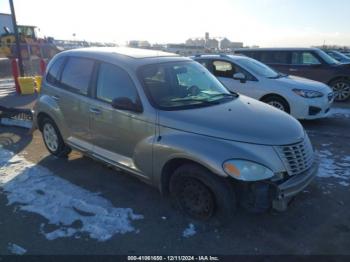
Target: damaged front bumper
(285, 191)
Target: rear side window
(275, 57)
(113, 82)
(53, 74)
(304, 58)
(76, 74)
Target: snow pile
(334, 166)
(71, 209)
(16, 249)
(189, 231)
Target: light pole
(18, 47)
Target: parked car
(300, 97)
(342, 58)
(346, 54)
(168, 121)
(310, 63)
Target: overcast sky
(260, 22)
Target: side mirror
(125, 103)
(240, 76)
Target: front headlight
(308, 93)
(247, 170)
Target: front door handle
(95, 111)
(293, 70)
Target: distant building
(213, 44)
(227, 44)
(183, 49)
(139, 44)
(5, 21)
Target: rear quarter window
(52, 76)
(76, 74)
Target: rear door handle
(55, 97)
(95, 111)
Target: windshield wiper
(232, 94)
(202, 101)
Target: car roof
(278, 49)
(124, 56)
(220, 56)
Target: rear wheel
(53, 139)
(277, 102)
(202, 195)
(341, 88)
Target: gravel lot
(79, 206)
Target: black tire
(202, 195)
(62, 150)
(341, 89)
(277, 102)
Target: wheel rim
(196, 199)
(50, 137)
(341, 91)
(277, 105)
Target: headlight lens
(247, 170)
(308, 93)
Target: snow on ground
(189, 231)
(16, 249)
(336, 112)
(332, 165)
(36, 189)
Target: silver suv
(168, 121)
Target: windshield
(337, 55)
(327, 58)
(257, 68)
(182, 85)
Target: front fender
(209, 152)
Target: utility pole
(18, 46)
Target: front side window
(304, 58)
(113, 82)
(76, 74)
(53, 73)
(182, 85)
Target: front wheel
(202, 195)
(341, 88)
(277, 102)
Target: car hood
(303, 83)
(243, 119)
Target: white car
(300, 97)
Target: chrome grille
(298, 157)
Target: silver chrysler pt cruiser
(166, 120)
